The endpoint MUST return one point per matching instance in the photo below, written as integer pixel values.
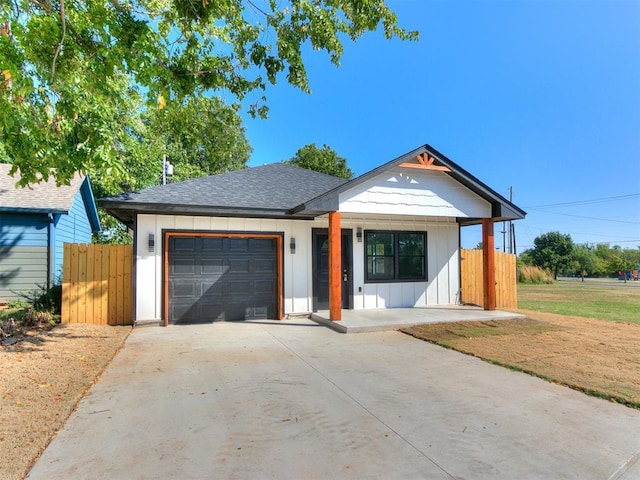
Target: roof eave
(90, 203)
(501, 208)
(39, 211)
(126, 211)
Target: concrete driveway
(296, 400)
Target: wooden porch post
(335, 267)
(488, 264)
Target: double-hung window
(396, 256)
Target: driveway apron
(292, 399)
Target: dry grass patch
(42, 378)
(597, 357)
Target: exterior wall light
(152, 242)
(359, 234)
(292, 244)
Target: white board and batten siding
(297, 267)
(426, 201)
(417, 200)
(442, 284)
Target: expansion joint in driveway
(363, 407)
(626, 466)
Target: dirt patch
(597, 357)
(42, 378)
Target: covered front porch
(358, 321)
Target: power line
(584, 202)
(590, 218)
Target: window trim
(396, 257)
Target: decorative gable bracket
(425, 162)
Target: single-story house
(275, 240)
(35, 222)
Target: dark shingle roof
(269, 190)
(280, 190)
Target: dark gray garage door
(222, 278)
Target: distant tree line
(556, 252)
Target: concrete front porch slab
(357, 321)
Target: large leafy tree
(622, 260)
(553, 251)
(585, 262)
(200, 136)
(68, 68)
(324, 160)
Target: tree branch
(41, 5)
(257, 8)
(5, 30)
(59, 46)
(118, 6)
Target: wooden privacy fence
(96, 284)
(472, 288)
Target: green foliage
(323, 160)
(200, 136)
(72, 74)
(624, 260)
(584, 262)
(38, 308)
(113, 231)
(43, 300)
(17, 304)
(552, 251)
(599, 260)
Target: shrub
(39, 308)
(44, 300)
(34, 318)
(17, 304)
(50, 301)
(533, 274)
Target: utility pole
(512, 233)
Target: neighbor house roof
(270, 190)
(281, 190)
(45, 197)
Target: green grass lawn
(617, 303)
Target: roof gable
(414, 161)
(412, 191)
(46, 197)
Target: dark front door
(320, 243)
(221, 278)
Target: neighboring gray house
(35, 222)
(270, 241)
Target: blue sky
(541, 96)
